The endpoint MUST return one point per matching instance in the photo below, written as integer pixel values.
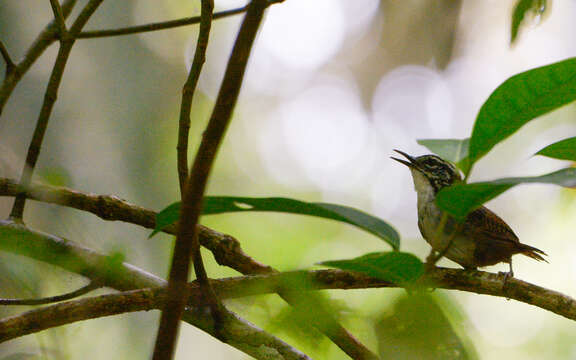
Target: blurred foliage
(396, 267)
(525, 8)
(418, 328)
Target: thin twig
(50, 96)
(75, 258)
(91, 34)
(226, 249)
(7, 59)
(188, 92)
(187, 244)
(93, 285)
(41, 43)
(163, 25)
(58, 17)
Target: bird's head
(430, 170)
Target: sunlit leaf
(518, 100)
(461, 199)
(563, 150)
(228, 204)
(397, 267)
(453, 150)
(535, 8)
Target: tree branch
(7, 59)
(297, 281)
(187, 243)
(58, 17)
(91, 34)
(226, 249)
(18, 239)
(163, 25)
(66, 43)
(44, 39)
(188, 92)
(93, 285)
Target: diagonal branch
(226, 249)
(244, 336)
(58, 17)
(93, 285)
(187, 240)
(187, 244)
(66, 43)
(163, 25)
(7, 59)
(41, 43)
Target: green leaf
(396, 267)
(518, 100)
(536, 8)
(453, 150)
(563, 150)
(227, 204)
(461, 199)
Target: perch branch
(226, 249)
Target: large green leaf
(461, 199)
(454, 150)
(518, 100)
(563, 150)
(396, 267)
(227, 204)
(536, 8)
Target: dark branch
(58, 17)
(187, 243)
(50, 97)
(7, 59)
(156, 26)
(164, 25)
(226, 249)
(18, 239)
(188, 93)
(41, 43)
(93, 285)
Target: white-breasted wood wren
(481, 239)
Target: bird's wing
(491, 226)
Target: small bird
(481, 239)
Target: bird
(481, 239)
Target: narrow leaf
(536, 8)
(453, 150)
(460, 199)
(518, 100)
(563, 150)
(227, 204)
(396, 267)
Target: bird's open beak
(411, 163)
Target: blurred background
(332, 87)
